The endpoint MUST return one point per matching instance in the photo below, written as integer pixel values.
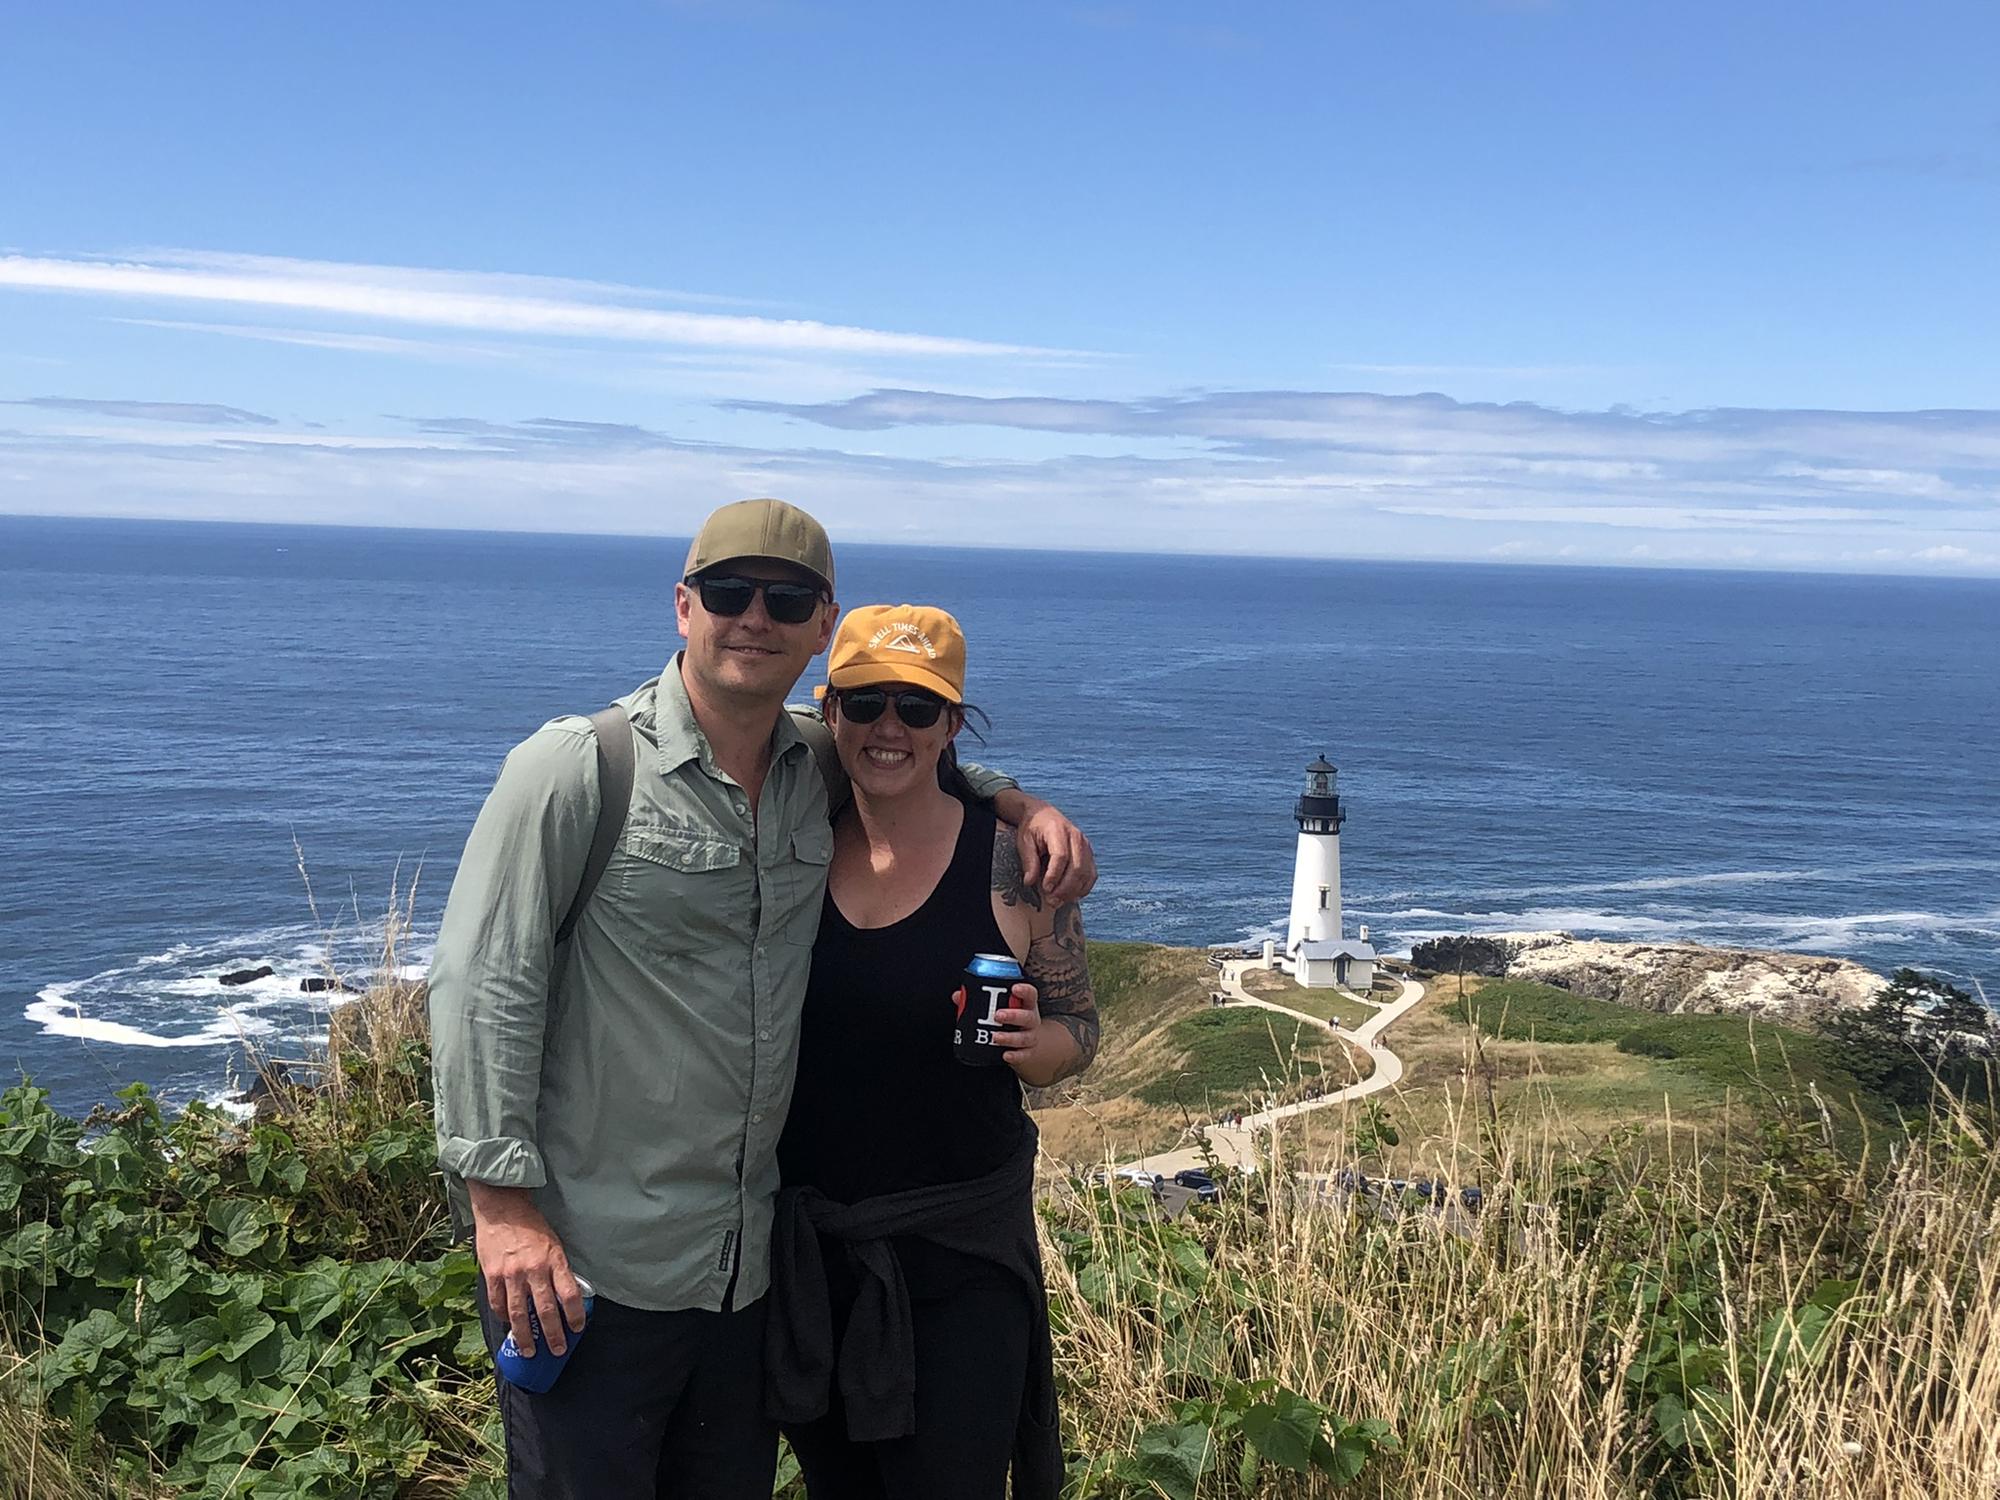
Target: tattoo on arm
(1060, 972)
(1007, 881)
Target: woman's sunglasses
(916, 708)
(787, 603)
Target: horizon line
(1654, 565)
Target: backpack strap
(819, 739)
(616, 766)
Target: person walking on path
(609, 1105)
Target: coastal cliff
(1680, 977)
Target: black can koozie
(985, 990)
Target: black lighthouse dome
(1318, 810)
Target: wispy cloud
(420, 278)
(546, 433)
(514, 305)
(1842, 448)
(1309, 473)
(1306, 463)
(353, 343)
(195, 413)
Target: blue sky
(1708, 284)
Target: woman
(910, 1347)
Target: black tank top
(881, 1104)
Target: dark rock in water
(1483, 956)
(271, 1077)
(268, 1090)
(245, 976)
(322, 986)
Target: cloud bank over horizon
(1315, 473)
(902, 436)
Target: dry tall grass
(1747, 1325)
(43, 1458)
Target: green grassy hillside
(1169, 1058)
(1230, 1056)
(1553, 1062)
(1699, 1061)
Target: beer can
(536, 1369)
(983, 993)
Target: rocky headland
(1685, 977)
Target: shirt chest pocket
(803, 880)
(682, 891)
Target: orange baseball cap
(915, 644)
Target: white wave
(199, 986)
(1411, 936)
(176, 998)
(1704, 879)
(1537, 919)
(1573, 919)
(1848, 934)
(59, 1015)
(1698, 881)
(226, 1101)
(1860, 928)
(1695, 882)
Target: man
(613, 1106)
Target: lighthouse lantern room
(1315, 952)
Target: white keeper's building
(1316, 954)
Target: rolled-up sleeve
(489, 980)
(985, 784)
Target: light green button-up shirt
(638, 1090)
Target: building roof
(1320, 950)
(1322, 764)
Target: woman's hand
(1039, 1054)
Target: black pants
(972, 1366)
(651, 1406)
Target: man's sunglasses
(916, 708)
(787, 603)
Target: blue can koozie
(537, 1371)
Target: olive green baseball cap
(762, 528)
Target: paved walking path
(1235, 1145)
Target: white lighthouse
(1318, 956)
(1316, 870)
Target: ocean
(225, 746)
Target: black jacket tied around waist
(991, 1218)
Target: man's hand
(1054, 853)
(524, 1266)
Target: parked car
(1204, 1187)
(1120, 1177)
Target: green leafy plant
(220, 1300)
